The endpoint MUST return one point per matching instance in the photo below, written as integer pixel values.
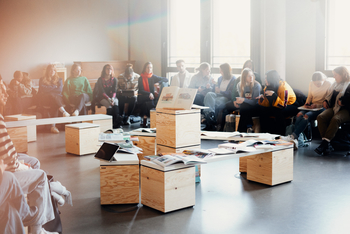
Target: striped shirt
(8, 152)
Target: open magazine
(167, 160)
(176, 98)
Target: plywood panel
(105, 124)
(81, 141)
(161, 149)
(31, 130)
(153, 117)
(19, 138)
(147, 144)
(119, 184)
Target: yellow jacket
(285, 96)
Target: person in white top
(183, 77)
(319, 87)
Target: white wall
(37, 32)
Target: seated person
(222, 93)
(50, 94)
(21, 97)
(183, 78)
(127, 92)
(105, 93)
(318, 89)
(249, 64)
(337, 105)
(247, 103)
(203, 82)
(77, 91)
(33, 182)
(278, 102)
(147, 93)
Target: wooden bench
(18, 129)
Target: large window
(337, 34)
(214, 31)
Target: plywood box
(168, 190)
(153, 117)
(119, 184)
(178, 128)
(19, 138)
(104, 124)
(161, 149)
(31, 130)
(147, 144)
(271, 167)
(82, 138)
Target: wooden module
(19, 138)
(147, 144)
(178, 128)
(104, 124)
(31, 130)
(119, 184)
(167, 149)
(168, 190)
(153, 117)
(269, 168)
(82, 138)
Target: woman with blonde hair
(337, 105)
(77, 91)
(50, 94)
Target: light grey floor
(316, 201)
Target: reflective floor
(316, 201)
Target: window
(214, 31)
(337, 34)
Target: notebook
(107, 151)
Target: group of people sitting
(273, 102)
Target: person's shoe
(54, 130)
(127, 120)
(75, 113)
(324, 148)
(289, 138)
(66, 114)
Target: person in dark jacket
(147, 94)
(105, 93)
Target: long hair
(145, 66)
(244, 75)
(128, 70)
(48, 80)
(273, 79)
(343, 72)
(103, 72)
(246, 64)
(226, 70)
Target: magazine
(167, 160)
(113, 137)
(219, 151)
(176, 98)
(198, 153)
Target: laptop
(107, 151)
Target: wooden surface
(178, 128)
(19, 138)
(47, 121)
(119, 184)
(153, 116)
(168, 191)
(81, 141)
(271, 168)
(147, 144)
(243, 164)
(31, 130)
(105, 124)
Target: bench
(18, 129)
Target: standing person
(318, 89)
(127, 92)
(202, 81)
(33, 182)
(277, 102)
(77, 91)
(50, 94)
(222, 94)
(337, 105)
(183, 78)
(105, 93)
(146, 95)
(247, 103)
(20, 96)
